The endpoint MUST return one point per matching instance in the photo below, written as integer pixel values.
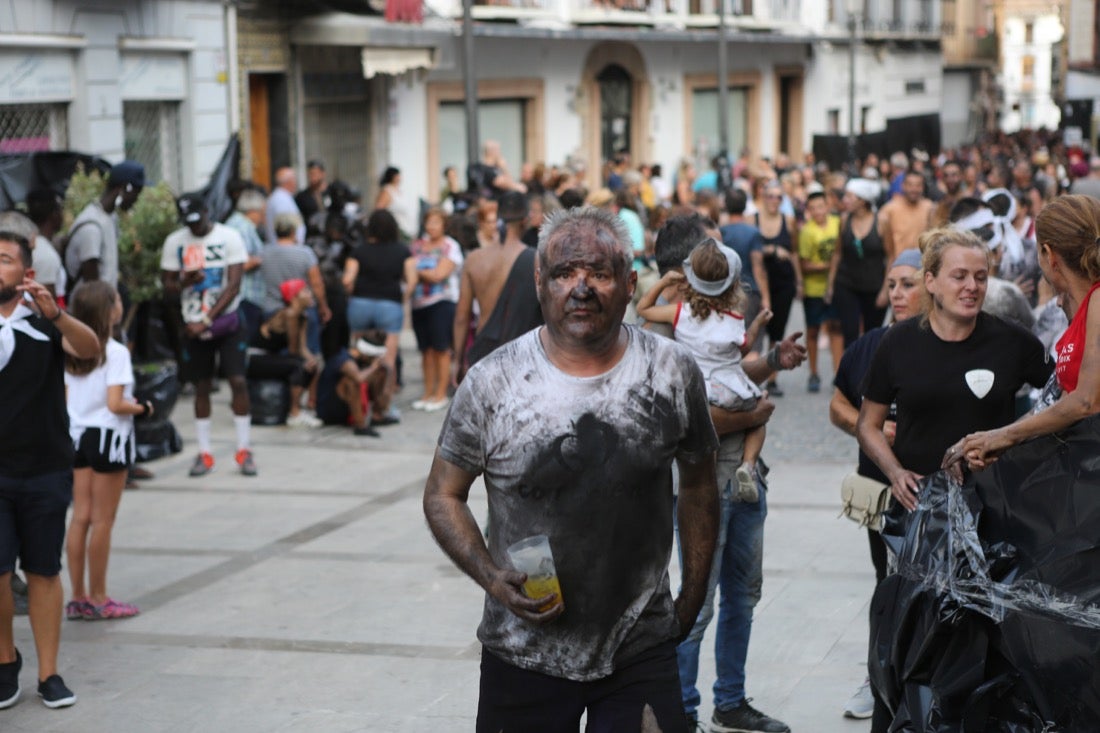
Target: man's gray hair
(251, 200)
(19, 223)
(567, 221)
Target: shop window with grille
(29, 128)
(152, 137)
(337, 132)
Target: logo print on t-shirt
(980, 382)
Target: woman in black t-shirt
(948, 372)
(374, 277)
(858, 267)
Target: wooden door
(259, 104)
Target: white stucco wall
(881, 78)
(958, 92)
(882, 74)
(192, 30)
(1036, 107)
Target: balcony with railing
(969, 45)
(749, 15)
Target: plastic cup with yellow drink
(533, 557)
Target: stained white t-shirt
(215, 252)
(587, 462)
(87, 399)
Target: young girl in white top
(101, 424)
(706, 321)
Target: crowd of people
(977, 257)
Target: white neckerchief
(8, 327)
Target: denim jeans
(737, 572)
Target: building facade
(1032, 34)
(116, 78)
(571, 80)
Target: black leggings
(853, 309)
(782, 295)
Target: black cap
(513, 206)
(127, 173)
(192, 206)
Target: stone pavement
(312, 597)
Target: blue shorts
(32, 521)
(817, 311)
(367, 313)
(434, 326)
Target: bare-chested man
(904, 217)
(500, 279)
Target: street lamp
(853, 8)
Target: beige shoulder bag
(863, 500)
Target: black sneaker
(9, 681)
(774, 389)
(745, 719)
(54, 693)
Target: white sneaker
(420, 404)
(303, 420)
(861, 705)
(747, 493)
(434, 406)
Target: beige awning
(395, 61)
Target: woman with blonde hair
(951, 372)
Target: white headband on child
(714, 287)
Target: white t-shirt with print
(214, 254)
(87, 394)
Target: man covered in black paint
(575, 427)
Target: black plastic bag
(270, 399)
(992, 622)
(157, 382)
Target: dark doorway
(616, 102)
(269, 131)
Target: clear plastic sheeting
(992, 621)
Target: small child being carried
(706, 322)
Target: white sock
(243, 425)
(202, 433)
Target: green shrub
(141, 230)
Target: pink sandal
(110, 609)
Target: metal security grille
(337, 133)
(26, 128)
(152, 137)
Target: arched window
(615, 105)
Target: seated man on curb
(340, 388)
(285, 355)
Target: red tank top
(1071, 347)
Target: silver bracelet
(773, 360)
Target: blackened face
(201, 227)
(584, 286)
(129, 197)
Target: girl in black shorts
(101, 423)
